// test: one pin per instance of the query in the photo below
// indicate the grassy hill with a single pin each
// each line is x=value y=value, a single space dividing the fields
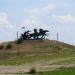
x=37 y=46
x=36 y=51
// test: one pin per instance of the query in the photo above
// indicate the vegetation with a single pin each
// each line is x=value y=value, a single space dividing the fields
x=60 y=71
x=14 y=59
x=40 y=52
x=1 y=47
x=36 y=51
x=9 y=46
x=19 y=41
x=32 y=71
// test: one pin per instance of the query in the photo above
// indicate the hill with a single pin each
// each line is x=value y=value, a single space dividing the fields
x=40 y=53
x=37 y=46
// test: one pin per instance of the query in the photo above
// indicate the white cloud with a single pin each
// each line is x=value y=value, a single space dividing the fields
x=64 y=24
x=45 y=8
x=34 y=19
x=63 y=19
x=50 y=7
x=34 y=22
x=7 y=29
x=32 y=11
x=4 y=21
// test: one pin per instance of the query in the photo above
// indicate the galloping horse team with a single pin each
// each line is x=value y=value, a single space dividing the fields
x=35 y=36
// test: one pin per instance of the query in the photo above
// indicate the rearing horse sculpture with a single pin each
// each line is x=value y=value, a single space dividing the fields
x=35 y=36
x=41 y=33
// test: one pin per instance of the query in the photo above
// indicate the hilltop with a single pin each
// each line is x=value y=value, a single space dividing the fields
x=37 y=46
x=43 y=54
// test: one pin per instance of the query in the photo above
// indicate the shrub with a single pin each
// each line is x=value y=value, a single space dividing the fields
x=1 y=47
x=19 y=41
x=9 y=46
x=32 y=71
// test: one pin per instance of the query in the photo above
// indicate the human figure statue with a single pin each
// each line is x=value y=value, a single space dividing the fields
x=35 y=36
x=35 y=31
x=26 y=35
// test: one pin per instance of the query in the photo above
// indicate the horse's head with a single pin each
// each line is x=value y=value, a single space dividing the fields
x=46 y=30
x=28 y=31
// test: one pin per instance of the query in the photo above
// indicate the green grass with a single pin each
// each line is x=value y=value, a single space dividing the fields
x=22 y=59
x=60 y=71
x=69 y=61
x=9 y=58
x=13 y=59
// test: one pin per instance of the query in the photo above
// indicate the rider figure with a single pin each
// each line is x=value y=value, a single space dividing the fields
x=35 y=31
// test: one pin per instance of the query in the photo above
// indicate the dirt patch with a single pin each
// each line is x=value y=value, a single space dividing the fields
x=40 y=66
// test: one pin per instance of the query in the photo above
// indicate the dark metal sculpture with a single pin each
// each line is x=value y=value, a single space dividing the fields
x=35 y=36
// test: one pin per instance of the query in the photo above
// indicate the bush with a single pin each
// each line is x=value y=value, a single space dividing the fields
x=32 y=71
x=1 y=47
x=19 y=41
x=9 y=46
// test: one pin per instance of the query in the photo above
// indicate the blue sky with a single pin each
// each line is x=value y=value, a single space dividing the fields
x=54 y=15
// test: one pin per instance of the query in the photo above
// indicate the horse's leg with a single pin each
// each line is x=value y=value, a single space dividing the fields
x=37 y=37
x=41 y=37
x=28 y=37
x=34 y=37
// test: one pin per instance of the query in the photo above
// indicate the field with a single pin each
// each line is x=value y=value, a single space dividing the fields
x=43 y=55
x=60 y=71
x=53 y=58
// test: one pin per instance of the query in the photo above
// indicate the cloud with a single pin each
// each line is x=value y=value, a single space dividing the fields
x=42 y=9
x=4 y=21
x=34 y=22
x=38 y=18
x=49 y=7
x=64 y=24
x=63 y=19
x=32 y=11
x=35 y=16
x=7 y=29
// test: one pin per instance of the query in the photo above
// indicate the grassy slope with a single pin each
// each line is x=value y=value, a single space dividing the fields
x=30 y=51
x=23 y=59
x=62 y=71
x=37 y=46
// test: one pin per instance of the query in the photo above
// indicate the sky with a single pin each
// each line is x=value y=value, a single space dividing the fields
x=53 y=15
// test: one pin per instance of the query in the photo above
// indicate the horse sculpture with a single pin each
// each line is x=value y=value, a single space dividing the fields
x=41 y=34
x=35 y=36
